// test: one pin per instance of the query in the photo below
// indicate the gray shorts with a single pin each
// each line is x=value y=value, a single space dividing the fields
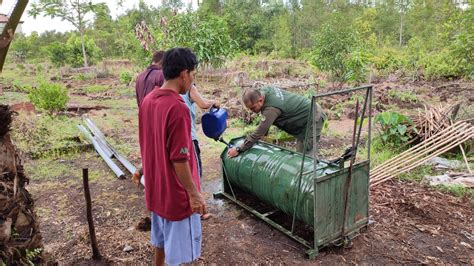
x=181 y=240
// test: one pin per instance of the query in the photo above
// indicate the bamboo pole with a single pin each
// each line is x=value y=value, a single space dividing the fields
x=405 y=159
x=418 y=163
x=420 y=145
x=394 y=167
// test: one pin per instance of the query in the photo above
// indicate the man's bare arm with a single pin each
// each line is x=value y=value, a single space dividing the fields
x=185 y=177
x=199 y=100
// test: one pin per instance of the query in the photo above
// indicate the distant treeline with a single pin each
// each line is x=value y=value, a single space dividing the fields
x=348 y=39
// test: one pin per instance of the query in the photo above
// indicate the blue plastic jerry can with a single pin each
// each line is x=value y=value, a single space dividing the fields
x=214 y=122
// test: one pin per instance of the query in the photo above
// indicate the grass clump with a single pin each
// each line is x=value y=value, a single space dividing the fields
x=457 y=190
x=96 y=89
x=40 y=134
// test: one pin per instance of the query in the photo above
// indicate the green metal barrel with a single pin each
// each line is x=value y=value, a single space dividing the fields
x=271 y=173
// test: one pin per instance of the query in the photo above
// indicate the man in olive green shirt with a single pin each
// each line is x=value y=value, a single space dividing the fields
x=286 y=110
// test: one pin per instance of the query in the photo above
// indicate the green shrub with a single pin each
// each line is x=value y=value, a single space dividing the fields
x=57 y=53
x=125 y=77
x=355 y=64
x=51 y=97
x=393 y=127
x=440 y=64
x=74 y=51
x=388 y=60
x=332 y=49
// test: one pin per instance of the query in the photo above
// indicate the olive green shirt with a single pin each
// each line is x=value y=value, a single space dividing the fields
x=287 y=111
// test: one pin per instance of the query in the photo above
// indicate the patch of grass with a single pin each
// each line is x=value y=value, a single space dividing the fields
x=9 y=97
x=457 y=190
x=379 y=153
x=337 y=110
x=237 y=122
x=46 y=169
x=19 y=86
x=36 y=134
x=126 y=92
x=417 y=174
x=403 y=96
x=96 y=89
x=85 y=76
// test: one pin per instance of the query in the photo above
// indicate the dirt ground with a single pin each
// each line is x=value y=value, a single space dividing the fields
x=411 y=223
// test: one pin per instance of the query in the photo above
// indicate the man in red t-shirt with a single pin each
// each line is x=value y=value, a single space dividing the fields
x=150 y=78
x=172 y=188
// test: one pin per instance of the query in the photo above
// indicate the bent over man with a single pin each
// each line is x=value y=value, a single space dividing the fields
x=287 y=111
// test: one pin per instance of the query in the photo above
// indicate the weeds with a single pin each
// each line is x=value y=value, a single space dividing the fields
x=403 y=96
x=96 y=89
x=34 y=134
x=393 y=127
x=417 y=174
x=125 y=77
x=85 y=76
x=457 y=190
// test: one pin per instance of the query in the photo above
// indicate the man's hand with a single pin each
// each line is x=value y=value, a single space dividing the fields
x=232 y=152
x=216 y=104
x=197 y=203
x=136 y=177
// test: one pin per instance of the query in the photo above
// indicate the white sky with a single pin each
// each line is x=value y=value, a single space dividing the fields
x=41 y=24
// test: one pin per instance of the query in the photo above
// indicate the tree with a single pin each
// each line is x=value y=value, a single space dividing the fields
x=334 y=50
x=74 y=11
x=208 y=37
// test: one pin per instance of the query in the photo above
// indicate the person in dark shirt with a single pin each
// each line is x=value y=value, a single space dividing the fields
x=150 y=78
x=287 y=111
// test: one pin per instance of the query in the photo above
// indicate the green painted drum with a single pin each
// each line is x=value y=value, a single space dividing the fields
x=271 y=173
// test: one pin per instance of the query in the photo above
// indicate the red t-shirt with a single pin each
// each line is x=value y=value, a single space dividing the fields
x=165 y=137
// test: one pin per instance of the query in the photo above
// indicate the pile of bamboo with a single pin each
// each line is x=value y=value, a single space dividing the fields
x=430 y=121
x=435 y=145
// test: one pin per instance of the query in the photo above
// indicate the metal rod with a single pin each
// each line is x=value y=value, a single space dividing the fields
x=364 y=108
x=300 y=176
x=99 y=137
x=369 y=141
x=95 y=250
x=224 y=176
x=108 y=148
x=349 y=176
x=324 y=94
x=117 y=171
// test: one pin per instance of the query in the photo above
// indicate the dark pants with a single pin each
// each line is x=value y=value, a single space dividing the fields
x=309 y=147
x=197 y=153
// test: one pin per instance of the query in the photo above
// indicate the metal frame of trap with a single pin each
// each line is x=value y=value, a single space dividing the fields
x=359 y=172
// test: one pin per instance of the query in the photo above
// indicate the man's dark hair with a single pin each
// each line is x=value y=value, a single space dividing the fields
x=177 y=60
x=158 y=57
x=251 y=95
